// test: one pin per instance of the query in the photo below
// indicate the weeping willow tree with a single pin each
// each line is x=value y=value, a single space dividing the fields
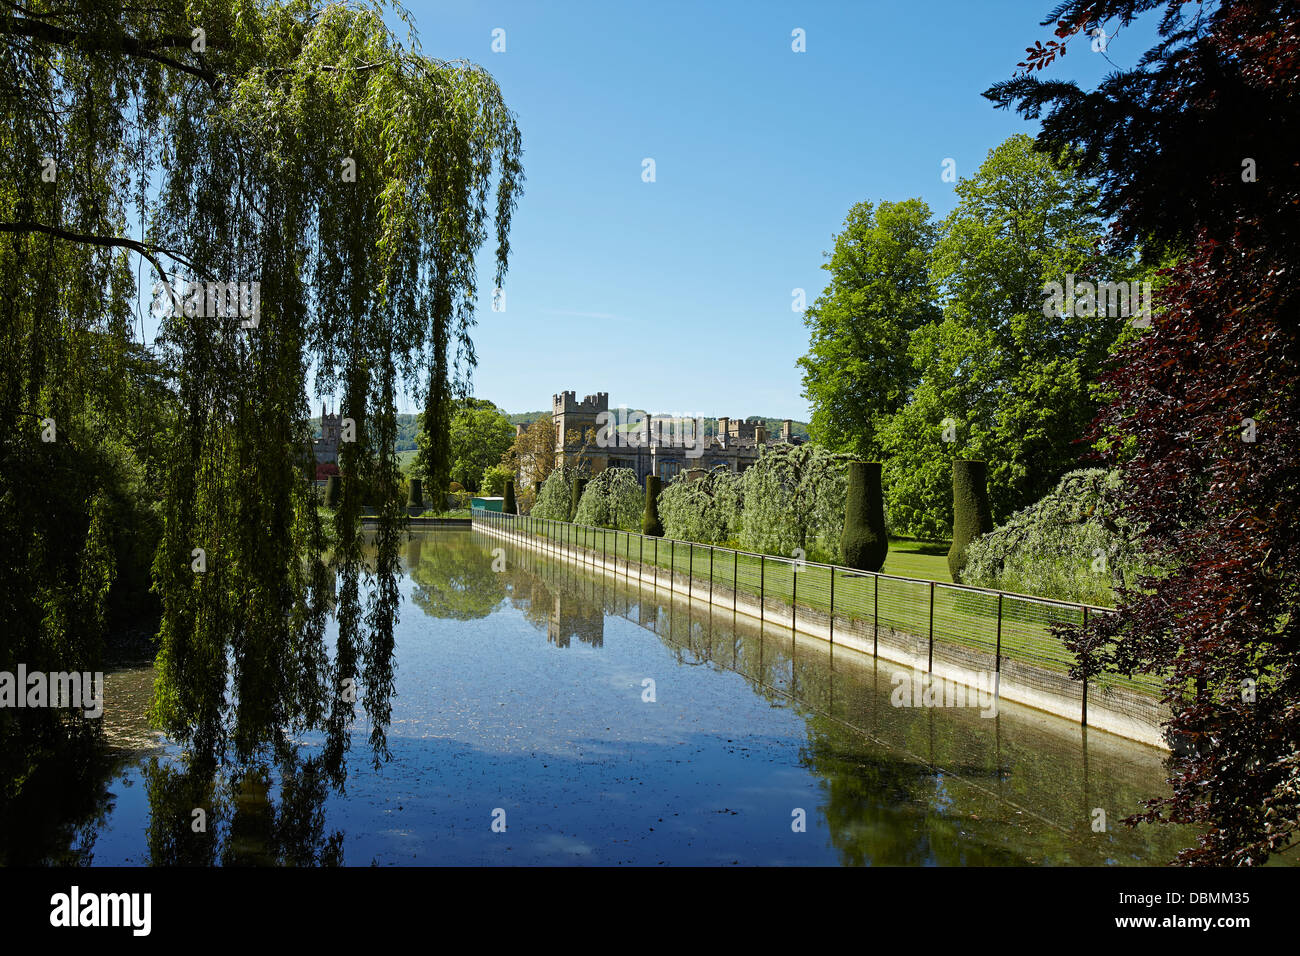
x=794 y=499
x=316 y=192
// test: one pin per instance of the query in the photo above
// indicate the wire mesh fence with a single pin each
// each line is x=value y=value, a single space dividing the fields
x=928 y=621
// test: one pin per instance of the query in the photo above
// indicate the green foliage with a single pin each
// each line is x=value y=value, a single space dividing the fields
x=972 y=516
x=705 y=508
x=612 y=499
x=494 y=480
x=480 y=434
x=966 y=365
x=510 y=506
x=650 y=523
x=858 y=370
x=554 y=499
x=414 y=494
x=864 y=543
x=333 y=491
x=794 y=499
x=576 y=487
x=351 y=177
x=1071 y=545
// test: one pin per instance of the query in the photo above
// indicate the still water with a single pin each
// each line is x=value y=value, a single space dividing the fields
x=603 y=722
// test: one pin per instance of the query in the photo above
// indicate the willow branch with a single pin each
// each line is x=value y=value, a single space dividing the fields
x=121 y=242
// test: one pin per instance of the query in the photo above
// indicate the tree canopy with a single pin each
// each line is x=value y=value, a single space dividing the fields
x=326 y=187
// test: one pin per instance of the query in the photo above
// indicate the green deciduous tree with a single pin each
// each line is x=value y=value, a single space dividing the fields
x=999 y=379
x=480 y=435
x=857 y=369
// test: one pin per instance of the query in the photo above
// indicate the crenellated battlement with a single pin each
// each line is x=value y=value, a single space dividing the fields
x=567 y=403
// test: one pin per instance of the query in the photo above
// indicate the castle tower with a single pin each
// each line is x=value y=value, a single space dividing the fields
x=573 y=416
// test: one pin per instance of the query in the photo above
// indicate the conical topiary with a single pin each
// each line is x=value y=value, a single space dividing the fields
x=864 y=543
x=508 y=506
x=971 y=514
x=575 y=495
x=415 y=496
x=650 y=523
x=333 y=491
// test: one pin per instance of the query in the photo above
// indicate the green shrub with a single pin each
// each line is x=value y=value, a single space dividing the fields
x=864 y=543
x=1071 y=545
x=650 y=523
x=508 y=506
x=970 y=510
x=705 y=509
x=576 y=488
x=555 y=496
x=794 y=498
x=415 y=494
x=612 y=499
x=333 y=491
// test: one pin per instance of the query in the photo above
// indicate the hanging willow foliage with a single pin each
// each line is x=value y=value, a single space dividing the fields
x=306 y=150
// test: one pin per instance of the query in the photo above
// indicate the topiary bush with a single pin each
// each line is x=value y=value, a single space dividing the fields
x=612 y=499
x=508 y=506
x=333 y=491
x=650 y=523
x=415 y=495
x=706 y=509
x=864 y=543
x=576 y=488
x=971 y=515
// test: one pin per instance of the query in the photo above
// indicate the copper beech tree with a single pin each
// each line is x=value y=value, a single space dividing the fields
x=1197 y=152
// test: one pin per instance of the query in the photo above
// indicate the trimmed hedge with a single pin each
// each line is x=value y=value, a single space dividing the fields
x=864 y=543
x=508 y=506
x=650 y=523
x=333 y=491
x=971 y=514
x=575 y=495
x=415 y=494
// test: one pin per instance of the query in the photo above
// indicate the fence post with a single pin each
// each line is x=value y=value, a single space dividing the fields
x=832 y=604
x=1085 y=674
x=690 y=570
x=672 y=563
x=762 y=594
x=735 y=562
x=710 y=581
x=930 y=666
x=794 y=597
x=656 y=562
x=997 y=659
x=875 y=615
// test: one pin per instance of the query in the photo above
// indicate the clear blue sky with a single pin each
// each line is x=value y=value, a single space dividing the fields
x=676 y=295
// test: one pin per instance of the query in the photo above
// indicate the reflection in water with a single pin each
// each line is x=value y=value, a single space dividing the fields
x=908 y=786
x=499 y=705
x=201 y=817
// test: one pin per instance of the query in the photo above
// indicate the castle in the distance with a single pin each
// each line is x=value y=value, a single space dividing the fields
x=326 y=448
x=736 y=445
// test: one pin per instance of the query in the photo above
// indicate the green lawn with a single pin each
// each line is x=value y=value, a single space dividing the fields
x=918 y=559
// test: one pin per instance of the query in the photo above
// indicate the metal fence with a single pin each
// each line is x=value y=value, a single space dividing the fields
x=970 y=627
